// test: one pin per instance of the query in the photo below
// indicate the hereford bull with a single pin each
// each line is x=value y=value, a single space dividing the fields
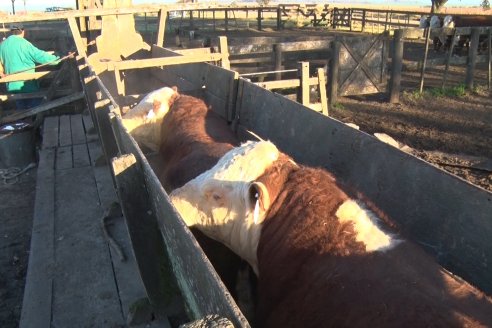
x=144 y=120
x=192 y=139
x=322 y=258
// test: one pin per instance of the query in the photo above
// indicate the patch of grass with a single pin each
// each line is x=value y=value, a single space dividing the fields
x=413 y=95
x=338 y=106
x=457 y=91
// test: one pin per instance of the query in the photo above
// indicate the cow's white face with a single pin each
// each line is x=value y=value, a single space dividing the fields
x=225 y=203
x=144 y=120
x=154 y=104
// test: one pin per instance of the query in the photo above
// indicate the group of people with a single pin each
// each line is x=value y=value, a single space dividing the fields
x=19 y=55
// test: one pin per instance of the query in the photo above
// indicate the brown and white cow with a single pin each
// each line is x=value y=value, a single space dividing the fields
x=192 y=139
x=323 y=259
x=144 y=120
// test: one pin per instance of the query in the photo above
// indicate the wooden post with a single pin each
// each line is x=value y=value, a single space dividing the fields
x=277 y=60
x=120 y=83
x=472 y=57
x=161 y=28
x=422 y=71
x=489 y=58
x=322 y=91
x=303 y=91
x=79 y=43
x=224 y=51
x=334 y=71
x=259 y=19
x=363 y=20
x=385 y=55
x=192 y=23
x=279 y=18
x=448 y=60
x=396 y=66
x=226 y=20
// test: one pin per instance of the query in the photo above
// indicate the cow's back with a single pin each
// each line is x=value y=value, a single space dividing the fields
x=313 y=273
x=193 y=139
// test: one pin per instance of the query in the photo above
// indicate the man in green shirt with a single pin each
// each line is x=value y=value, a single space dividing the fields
x=17 y=54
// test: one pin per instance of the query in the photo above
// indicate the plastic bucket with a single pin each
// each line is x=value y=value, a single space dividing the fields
x=16 y=145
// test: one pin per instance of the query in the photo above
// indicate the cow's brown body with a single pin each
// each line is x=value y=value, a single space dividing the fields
x=193 y=139
x=313 y=273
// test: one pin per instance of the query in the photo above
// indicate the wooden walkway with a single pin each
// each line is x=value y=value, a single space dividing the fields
x=74 y=278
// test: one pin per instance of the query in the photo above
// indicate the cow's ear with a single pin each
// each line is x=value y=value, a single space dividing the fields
x=156 y=106
x=259 y=197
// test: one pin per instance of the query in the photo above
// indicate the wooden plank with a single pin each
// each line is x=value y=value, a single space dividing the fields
x=42 y=108
x=453 y=225
x=155 y=62
x=161 y=27
x=80 y=155
x=218 y=82
x=224 y=51
x=79 y=43
x=199 y=284
x=50 y=132
x=144 y=233
x=90 y=130
x=303 y=90
x=38 y=291
x=282 y=84
x=39 y=94
x=128 y=280
x=120 y=83
x=65 y=131
x=64 y=158
x=322 y=91
x=80 y=299
x=27 y=76
x=78 y=133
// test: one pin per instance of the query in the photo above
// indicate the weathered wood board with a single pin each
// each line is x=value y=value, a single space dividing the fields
x=446 y=215
x=363 y=63
x=217 y=84
x=200 y=286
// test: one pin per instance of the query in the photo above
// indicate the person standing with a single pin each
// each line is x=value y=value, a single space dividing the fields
x=18 y=54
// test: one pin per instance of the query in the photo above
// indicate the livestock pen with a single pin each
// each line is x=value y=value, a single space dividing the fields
x=446 y=215
x=429 y=204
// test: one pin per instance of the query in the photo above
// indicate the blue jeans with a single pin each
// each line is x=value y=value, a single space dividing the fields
x=27 y=103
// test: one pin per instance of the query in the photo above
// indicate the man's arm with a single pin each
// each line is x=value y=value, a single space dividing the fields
x=40 y=56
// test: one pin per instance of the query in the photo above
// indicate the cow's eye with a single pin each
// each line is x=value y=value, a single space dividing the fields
x=253 y=195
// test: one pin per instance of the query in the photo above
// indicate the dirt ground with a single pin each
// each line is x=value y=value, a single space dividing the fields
x=16 y=212
x=451 y=131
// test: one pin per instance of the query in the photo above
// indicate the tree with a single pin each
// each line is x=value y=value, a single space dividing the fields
x=437 y=5
x=485 y=5
x=13 y=7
